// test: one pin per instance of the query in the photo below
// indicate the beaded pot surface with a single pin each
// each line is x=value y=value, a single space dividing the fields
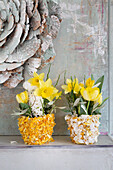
x=83 y=129
x=38 y=130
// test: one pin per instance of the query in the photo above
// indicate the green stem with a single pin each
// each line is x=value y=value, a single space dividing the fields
x=88 y=106
x=42 y=106
x=79 y=110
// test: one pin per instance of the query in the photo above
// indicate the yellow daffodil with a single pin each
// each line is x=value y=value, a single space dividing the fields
x=22 y=97
x=89 y=93
x=81 y=84
x=89 y=82
x=56 y=95
x=75 y=81
x=76 y=89
x=67 y=87
x=35 y=80
x=71 y=86
x=46 y=90
x=99 y=99
x=76 y=86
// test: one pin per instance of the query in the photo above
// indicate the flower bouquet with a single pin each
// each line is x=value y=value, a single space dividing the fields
x=36 y=108
x=84 y=101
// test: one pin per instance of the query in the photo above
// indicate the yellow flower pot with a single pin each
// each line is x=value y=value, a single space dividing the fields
x=38 y=130
x=83 y=129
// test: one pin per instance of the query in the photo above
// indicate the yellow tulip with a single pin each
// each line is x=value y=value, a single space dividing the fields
x=89 y=93
x=22 y=97
x=46 y=90
x=99 y=99
x=35 y=80
x=89 y=82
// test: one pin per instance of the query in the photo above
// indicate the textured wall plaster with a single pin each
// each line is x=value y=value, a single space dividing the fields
x=81 y=48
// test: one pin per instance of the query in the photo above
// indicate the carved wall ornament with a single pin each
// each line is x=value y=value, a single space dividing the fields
x=27 y=28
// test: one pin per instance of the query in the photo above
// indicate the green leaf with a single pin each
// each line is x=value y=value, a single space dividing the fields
x=92 y=78
x=95 y=105
x=100 y=80
x=17 y=113
x=72 y=95
x=23 y=106
x=84 y=108
x=96 y=113
x=98 y=108
x=104 y=101
x=76 y=102
x=71 y=78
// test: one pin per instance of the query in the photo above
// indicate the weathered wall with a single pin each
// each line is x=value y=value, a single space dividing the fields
x=81 y=48
x=111 y=67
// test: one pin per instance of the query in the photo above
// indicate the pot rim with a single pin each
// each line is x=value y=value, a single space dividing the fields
x=81 y=116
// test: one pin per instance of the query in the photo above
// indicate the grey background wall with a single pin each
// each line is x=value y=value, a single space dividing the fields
x=81 y=48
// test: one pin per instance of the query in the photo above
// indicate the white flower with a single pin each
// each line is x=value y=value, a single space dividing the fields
x=36 y=104
x=27 y=86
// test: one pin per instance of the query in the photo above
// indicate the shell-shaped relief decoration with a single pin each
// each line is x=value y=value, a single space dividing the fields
x=27 y=28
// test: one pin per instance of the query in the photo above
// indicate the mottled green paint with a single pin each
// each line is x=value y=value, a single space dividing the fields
x=81 y=48
x=110 y=68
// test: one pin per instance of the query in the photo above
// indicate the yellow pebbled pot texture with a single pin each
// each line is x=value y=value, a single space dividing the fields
x=38 y=130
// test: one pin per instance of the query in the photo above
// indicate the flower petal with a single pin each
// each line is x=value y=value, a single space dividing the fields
x=48 y=82
x=35 y=74
x=41 y=76
x=22 y=97
x=65 y=87
x=37 y=92
x=68 y=81
x=90 y=94
x=89 y=82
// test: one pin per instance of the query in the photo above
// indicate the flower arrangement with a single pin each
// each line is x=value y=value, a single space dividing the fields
x=84 y=102
x=36 y=108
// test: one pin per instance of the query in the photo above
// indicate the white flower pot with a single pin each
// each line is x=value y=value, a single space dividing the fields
x=83 y=129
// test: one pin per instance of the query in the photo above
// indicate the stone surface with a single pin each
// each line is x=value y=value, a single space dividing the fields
x=61 y=154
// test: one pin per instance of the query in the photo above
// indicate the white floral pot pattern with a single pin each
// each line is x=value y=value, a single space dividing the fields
x=83 y=129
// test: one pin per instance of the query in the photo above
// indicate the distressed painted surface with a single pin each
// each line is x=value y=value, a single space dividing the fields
x=111 y=69
x=81 y=48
